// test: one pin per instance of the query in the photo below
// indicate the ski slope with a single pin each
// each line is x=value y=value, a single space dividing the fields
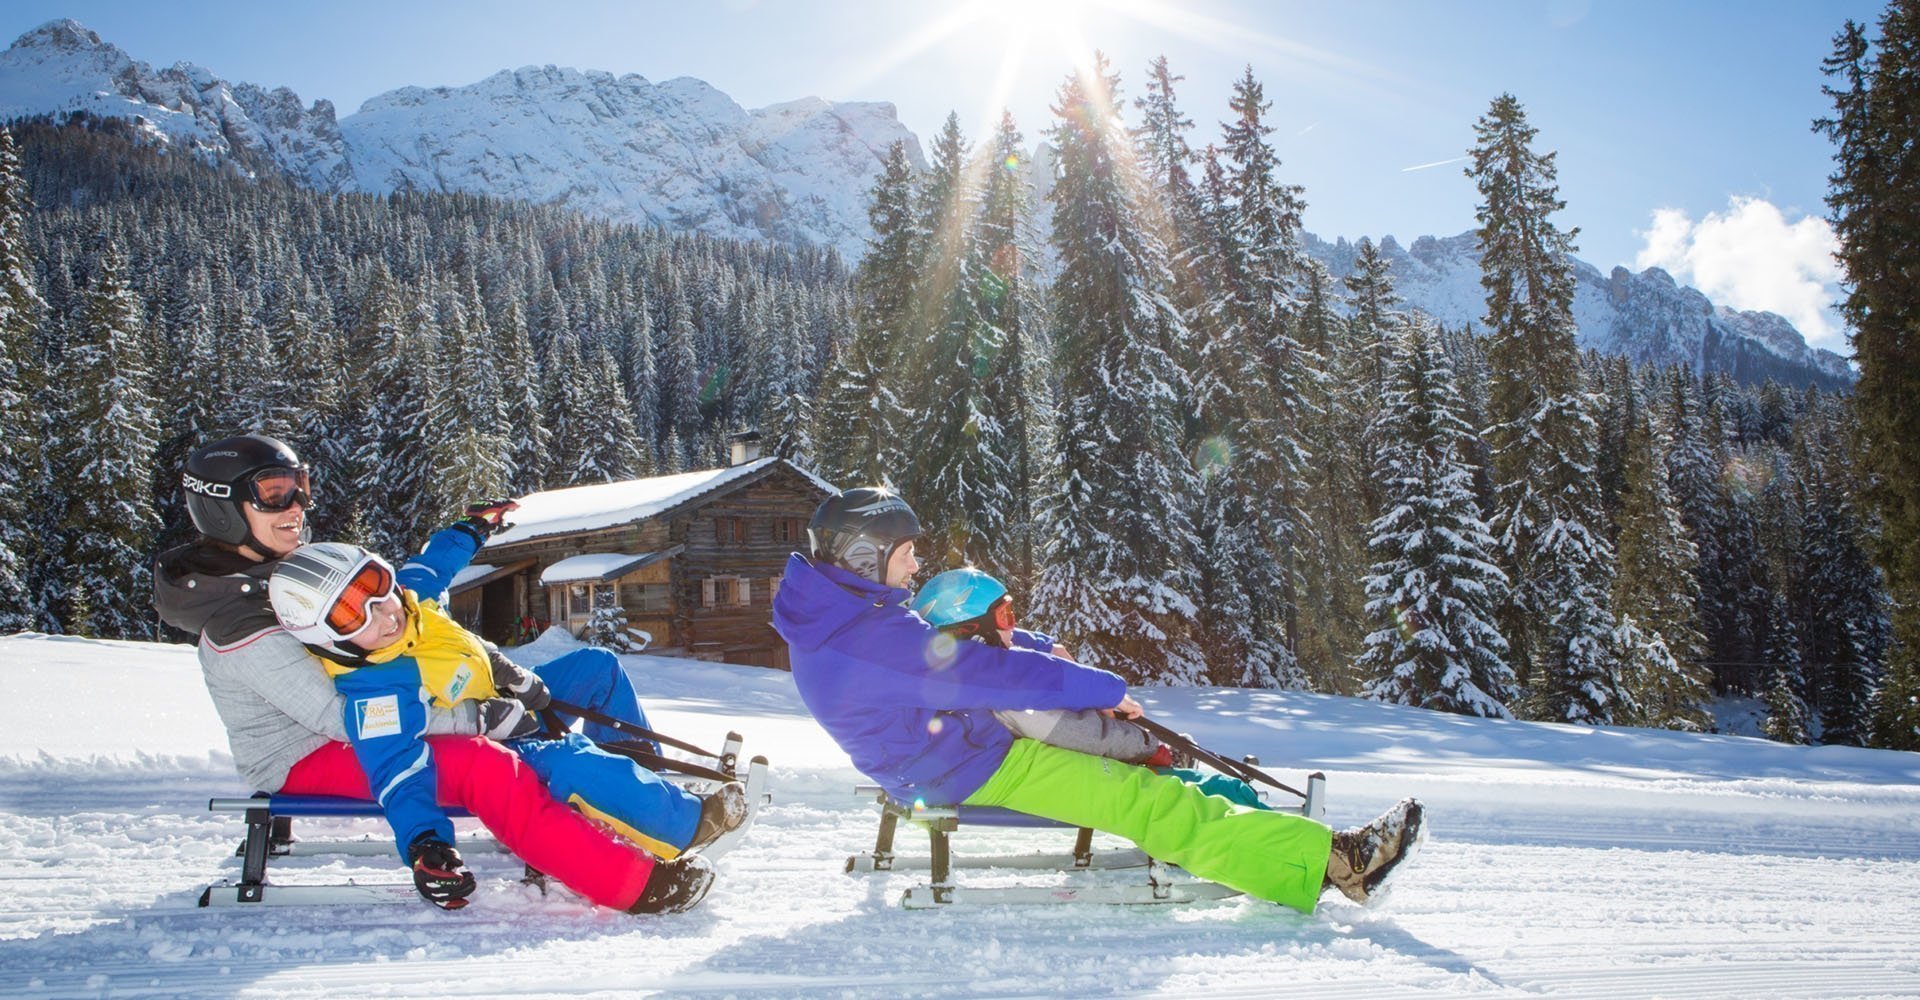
x=1565 y=862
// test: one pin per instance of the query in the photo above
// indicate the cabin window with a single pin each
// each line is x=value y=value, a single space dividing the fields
x=645 y=597
x=730 y=530
x=789 y=529
x=726 y=591
x=579 y=600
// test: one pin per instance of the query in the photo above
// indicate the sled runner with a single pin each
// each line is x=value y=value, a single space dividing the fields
x=942 y=822
x=269 y=820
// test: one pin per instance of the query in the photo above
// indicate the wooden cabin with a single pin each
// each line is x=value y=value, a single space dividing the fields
x=693 y=559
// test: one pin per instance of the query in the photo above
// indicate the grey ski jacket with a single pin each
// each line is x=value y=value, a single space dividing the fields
x=276 y=701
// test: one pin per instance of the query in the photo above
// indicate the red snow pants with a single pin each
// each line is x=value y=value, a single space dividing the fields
x=490 y=782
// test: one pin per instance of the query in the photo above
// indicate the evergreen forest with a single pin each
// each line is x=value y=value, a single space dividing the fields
x=1192 y=453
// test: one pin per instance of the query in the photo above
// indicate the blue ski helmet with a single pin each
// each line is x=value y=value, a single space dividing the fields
x=964 y=602
x=858 y=530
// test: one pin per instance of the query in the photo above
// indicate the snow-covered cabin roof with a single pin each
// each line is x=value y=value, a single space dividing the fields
x=465 y=577
x=607 y=505
x=599 y=567
x=481 y=574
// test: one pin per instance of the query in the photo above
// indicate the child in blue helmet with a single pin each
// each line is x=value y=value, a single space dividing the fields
x=969 y=604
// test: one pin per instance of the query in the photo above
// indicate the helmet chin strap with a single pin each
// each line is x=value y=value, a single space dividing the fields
x=265 y=551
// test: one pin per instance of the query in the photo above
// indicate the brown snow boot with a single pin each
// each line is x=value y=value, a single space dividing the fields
x=723 y=810
x=1364 y=858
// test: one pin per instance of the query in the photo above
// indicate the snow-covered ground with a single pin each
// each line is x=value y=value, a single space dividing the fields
x=1565 y=862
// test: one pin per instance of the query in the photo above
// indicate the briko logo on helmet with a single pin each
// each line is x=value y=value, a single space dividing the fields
x=204 y=488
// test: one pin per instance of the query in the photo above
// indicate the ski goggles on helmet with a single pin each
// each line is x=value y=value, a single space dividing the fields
x=989 y=626
x=371 y=583
x=276 y=489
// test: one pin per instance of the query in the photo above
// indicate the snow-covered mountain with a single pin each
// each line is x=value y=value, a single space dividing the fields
x=61 y=68
x=678 y=154
x=1648 y=317
x=684 y=156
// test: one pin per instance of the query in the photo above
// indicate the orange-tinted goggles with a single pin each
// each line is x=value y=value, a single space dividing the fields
x=271 y=491
x=371 y=583
x=1002 y=612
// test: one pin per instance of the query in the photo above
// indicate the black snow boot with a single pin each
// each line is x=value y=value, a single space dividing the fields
x=721 y=811
x=675 y=886
x=1364 y=858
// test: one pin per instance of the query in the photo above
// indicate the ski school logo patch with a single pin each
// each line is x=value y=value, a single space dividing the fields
x=377 y=717
x=462 y=676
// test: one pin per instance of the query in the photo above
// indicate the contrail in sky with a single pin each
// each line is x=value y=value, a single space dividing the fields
x=1436 y=163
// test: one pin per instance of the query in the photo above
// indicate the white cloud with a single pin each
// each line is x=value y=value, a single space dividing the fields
x=1751 y=257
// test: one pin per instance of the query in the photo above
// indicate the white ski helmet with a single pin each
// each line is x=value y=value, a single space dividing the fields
x=321 y=592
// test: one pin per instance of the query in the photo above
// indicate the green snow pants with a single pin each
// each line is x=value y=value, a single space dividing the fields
x=1276 y=856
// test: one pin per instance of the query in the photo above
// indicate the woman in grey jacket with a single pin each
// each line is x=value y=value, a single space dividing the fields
x=248 y=497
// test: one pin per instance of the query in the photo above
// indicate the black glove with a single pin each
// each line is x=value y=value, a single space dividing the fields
x=506 y=719
x=438 y=872
x=523 y=684
x=483 y=518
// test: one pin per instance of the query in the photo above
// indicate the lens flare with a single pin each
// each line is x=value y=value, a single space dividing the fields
x=1213 y=456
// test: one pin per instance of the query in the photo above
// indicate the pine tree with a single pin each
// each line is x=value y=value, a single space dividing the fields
x=1786 y=705
x=1546 y=514
x=1875 y=197
x=22 y=422
x=105 y=452
x=863 y=426
x=787 y=413
x=1656 y=599
x=527 y=436
x=398 y=460
x=1845 y=634
x=564 y=398
x=607 y=624
x=1263 y=278
x=680 y=381
x=958 y=472
x=1015 y=380
x=609 y=451
x=1433 y=585
x=1119 y=575
x=469 y=443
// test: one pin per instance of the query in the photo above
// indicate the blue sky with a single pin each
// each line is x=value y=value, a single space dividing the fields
x=1682 y=127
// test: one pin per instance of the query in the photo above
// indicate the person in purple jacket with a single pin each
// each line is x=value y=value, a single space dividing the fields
x=914 y=710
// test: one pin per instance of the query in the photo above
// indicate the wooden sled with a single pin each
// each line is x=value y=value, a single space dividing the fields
x=942 y=822
x=269 y=820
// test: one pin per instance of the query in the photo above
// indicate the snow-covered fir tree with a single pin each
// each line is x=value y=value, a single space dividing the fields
x=958 y=474
x=22 y=422
x=1119 y=575
x=527 y=436
x=1786 y=703
x=1249 y=405
x=1016 y=380
x=1547 y=512
x=1656 y=598
x=610 y=449
x=1846 y=631
x=397 y=459
x=469 y=441
x=102 y=457
x=1875 y=198
x=863 y=427
x=1433 y=585
x=680 y=379
x=607 y=624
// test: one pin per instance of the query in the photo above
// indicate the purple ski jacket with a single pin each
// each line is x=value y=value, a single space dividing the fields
x=912 y=707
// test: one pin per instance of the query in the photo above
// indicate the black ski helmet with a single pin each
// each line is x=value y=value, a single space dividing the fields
x=218 y=480
x=858 y=530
